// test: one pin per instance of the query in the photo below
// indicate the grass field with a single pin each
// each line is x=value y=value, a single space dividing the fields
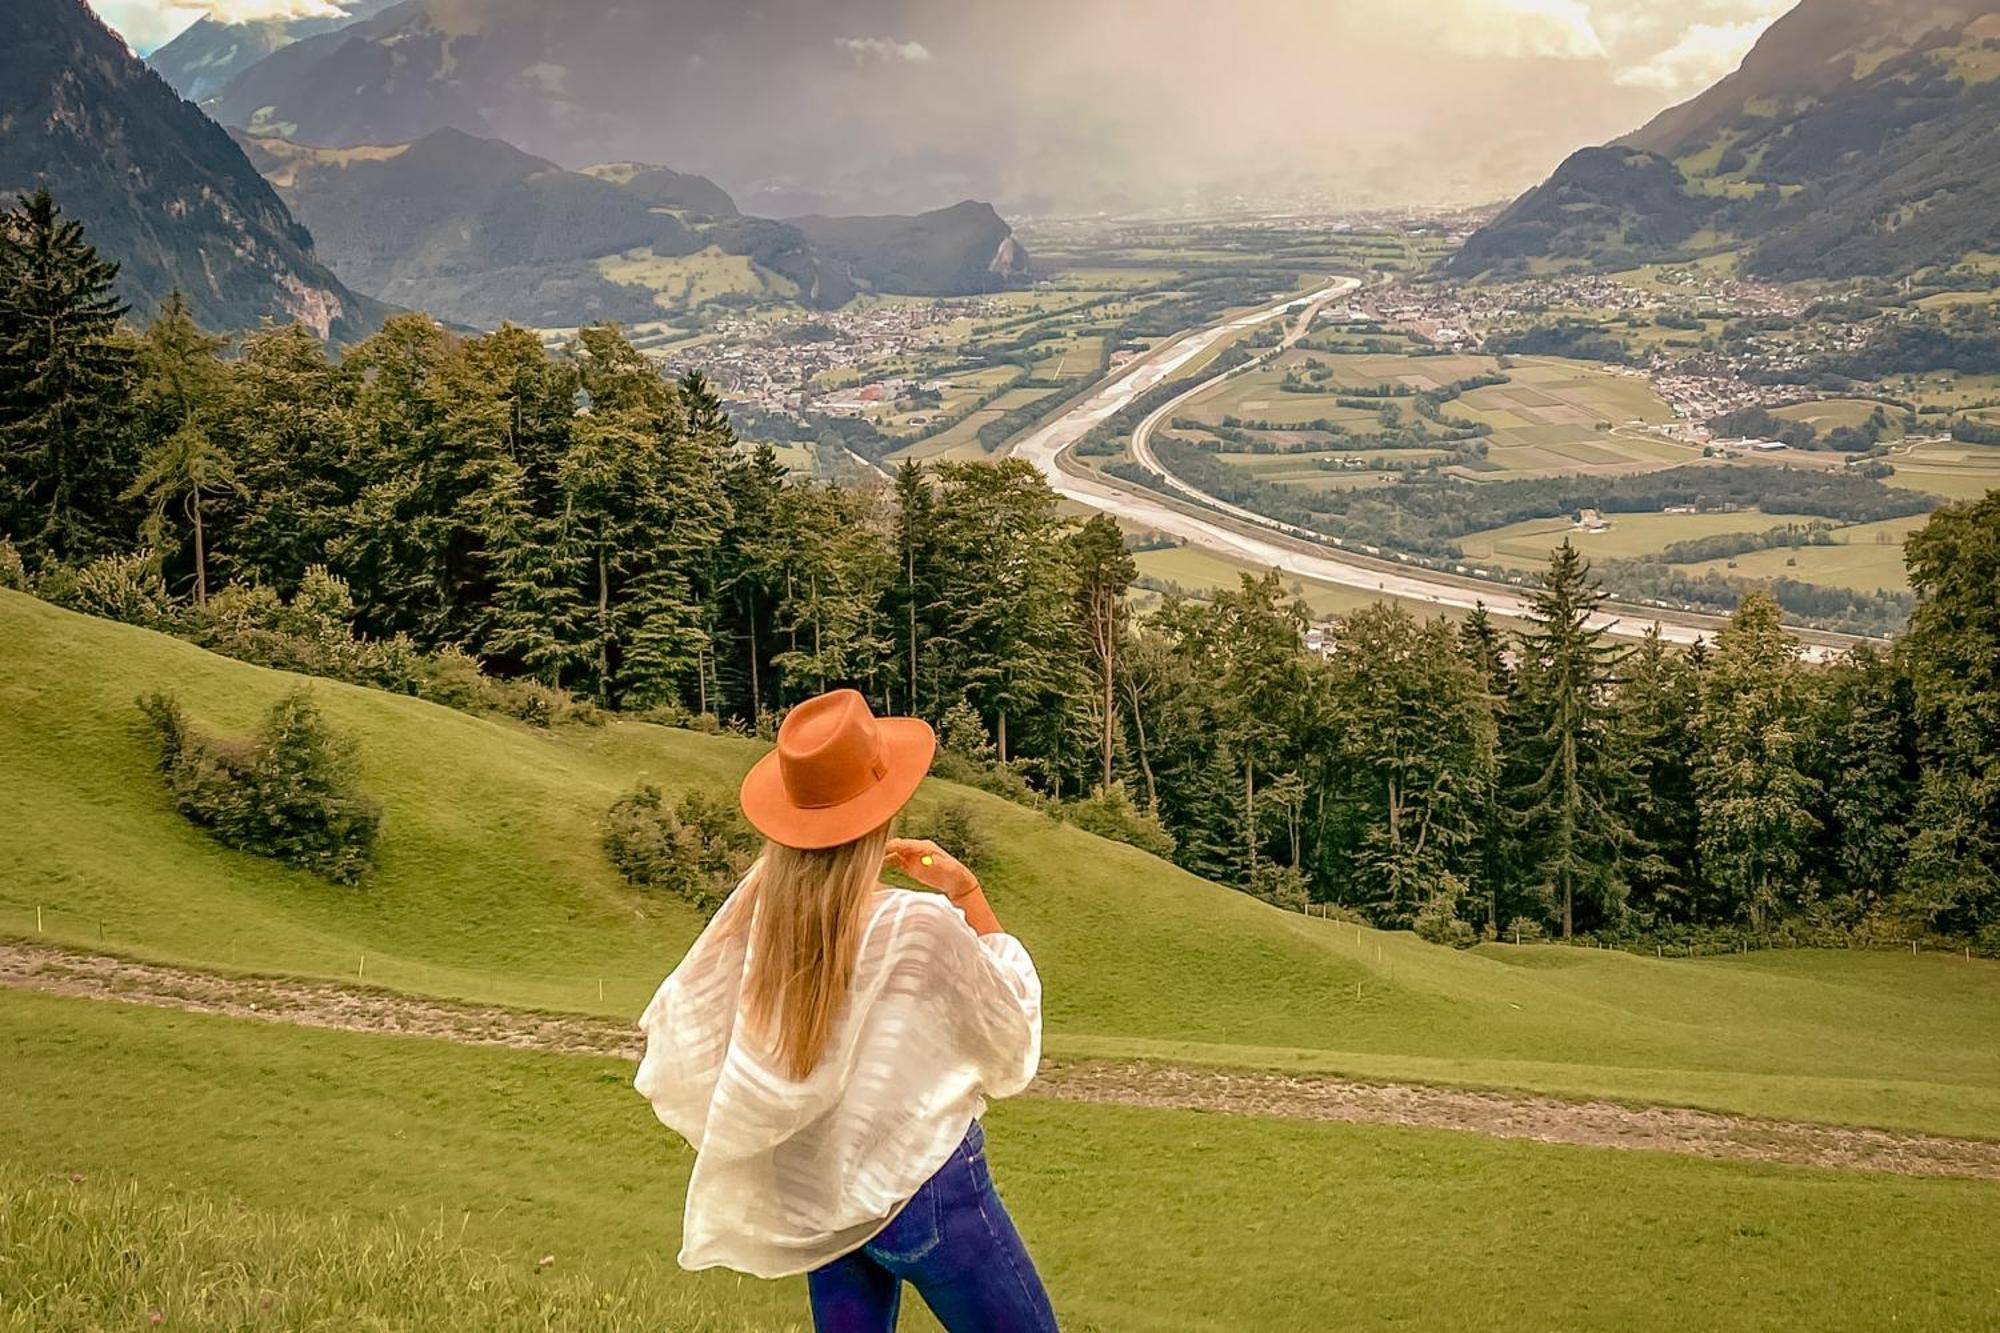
x=1527 y=545
x=1953 y=470
x=685 y=281
x=491 y=885
x=278 y=1173
x=1825 y=414
x=1546 y=421
x=1866 y=557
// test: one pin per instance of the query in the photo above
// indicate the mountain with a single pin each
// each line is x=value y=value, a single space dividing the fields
x=158 y=186
x=473 y=230
x=1858 y=137
x=201 y=61
x=952 y=251
x=478 y=232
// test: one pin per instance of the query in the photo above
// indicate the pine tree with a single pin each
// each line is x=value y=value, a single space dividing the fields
x=916 y=578
x=747 y=579
x=1006 y=623
x=1864 y=756
x=1104 y=571
x=1415 y=737
x=1484 y=648
x=1573 y=837
x=291 y=422
x=1755 y=796
x=1654 y=721
x=1952 y=658
x=539 y=618
x=180 y=399
x=64 y=376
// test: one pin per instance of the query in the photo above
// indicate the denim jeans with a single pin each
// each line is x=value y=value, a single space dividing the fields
x=955 y=1244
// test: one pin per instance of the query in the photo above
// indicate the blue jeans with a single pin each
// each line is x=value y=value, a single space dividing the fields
x=954 y=1242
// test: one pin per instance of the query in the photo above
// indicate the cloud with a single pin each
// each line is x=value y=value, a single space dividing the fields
x=884 y=49
x=1521 y=29
x=1704 y=53
x=146 y=24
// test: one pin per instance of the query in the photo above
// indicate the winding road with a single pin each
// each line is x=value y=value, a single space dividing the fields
x=1203 y=521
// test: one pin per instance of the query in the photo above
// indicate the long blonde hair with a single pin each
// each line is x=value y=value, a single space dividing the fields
x=810 y=909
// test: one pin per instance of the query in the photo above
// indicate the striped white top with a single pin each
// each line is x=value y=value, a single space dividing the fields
x=790 y=1174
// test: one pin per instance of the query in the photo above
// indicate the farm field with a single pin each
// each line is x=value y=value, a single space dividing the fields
x=1527 y=545
x=1866 y=557
x=961 y=440
x=1825 y=414
x=1198 y=571
x=1544 y=422
x=683 y=282
x=1950 y=469
x=422 y=1160
x=491 y=886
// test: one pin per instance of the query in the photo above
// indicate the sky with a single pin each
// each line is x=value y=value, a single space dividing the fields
x=1677 y=46
x=1147 y=101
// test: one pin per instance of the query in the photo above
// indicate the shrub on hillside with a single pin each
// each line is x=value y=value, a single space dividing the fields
x=698 y=848
x=13 y=570
x=289 y=793
x=957 y=828
x=1438 y=920
x=1523 y=930
x=1280 y=886
x=1110 y=812
x=126 y=588
x=314 y=634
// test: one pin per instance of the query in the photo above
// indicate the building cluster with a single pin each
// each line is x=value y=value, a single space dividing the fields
x=781 y=366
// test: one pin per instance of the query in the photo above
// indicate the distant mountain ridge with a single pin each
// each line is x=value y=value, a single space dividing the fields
x=1858 y=137
x=479 y=232
x=203 y=60
x=159 y=187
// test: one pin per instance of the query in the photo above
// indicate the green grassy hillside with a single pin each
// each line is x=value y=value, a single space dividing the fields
x=491 y=885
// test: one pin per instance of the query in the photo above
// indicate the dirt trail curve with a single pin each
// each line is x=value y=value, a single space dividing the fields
x=1235 y=1092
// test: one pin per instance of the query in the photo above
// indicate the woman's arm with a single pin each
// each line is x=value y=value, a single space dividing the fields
x=933 y=867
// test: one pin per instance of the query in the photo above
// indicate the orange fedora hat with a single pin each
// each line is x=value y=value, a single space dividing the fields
x=838 y=772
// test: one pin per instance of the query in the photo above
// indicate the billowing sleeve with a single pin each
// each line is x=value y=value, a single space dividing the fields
x=998 y=1003
x=688 y=1026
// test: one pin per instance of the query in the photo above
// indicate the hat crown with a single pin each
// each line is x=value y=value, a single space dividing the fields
x=830 y=751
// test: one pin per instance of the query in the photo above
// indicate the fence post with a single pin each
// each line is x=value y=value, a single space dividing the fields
x=361 y=970
x=38 y=918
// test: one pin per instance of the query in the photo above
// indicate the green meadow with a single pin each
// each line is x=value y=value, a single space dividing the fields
x=491 y=885
x=224 y=1174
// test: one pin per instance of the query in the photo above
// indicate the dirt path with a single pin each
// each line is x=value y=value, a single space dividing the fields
x=1234 y=1092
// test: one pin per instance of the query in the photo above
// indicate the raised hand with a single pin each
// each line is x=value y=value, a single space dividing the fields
x=931 y=866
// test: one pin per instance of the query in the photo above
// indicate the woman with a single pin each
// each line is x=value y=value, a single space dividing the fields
x=828 y=1046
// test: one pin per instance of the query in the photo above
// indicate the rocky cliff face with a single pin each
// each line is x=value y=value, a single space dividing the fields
x=159 y=187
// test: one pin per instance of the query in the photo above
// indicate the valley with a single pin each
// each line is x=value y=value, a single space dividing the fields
x=1459 y=637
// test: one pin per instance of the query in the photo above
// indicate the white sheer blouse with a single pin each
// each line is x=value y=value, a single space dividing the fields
x=790 y=1174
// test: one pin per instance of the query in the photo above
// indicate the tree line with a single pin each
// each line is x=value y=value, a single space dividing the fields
x=567 y=518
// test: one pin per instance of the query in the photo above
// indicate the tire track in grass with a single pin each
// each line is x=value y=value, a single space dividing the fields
x=1590 y=1124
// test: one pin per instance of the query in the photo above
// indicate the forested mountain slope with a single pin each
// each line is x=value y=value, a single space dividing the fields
x=160 y=187
x=1858 y=137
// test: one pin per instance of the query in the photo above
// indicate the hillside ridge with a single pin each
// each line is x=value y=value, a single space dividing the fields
x=1855 y=139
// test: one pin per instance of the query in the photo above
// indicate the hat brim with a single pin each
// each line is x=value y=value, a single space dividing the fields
x=908 y=746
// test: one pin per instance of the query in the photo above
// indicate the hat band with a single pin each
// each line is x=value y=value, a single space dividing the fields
x=878 y=769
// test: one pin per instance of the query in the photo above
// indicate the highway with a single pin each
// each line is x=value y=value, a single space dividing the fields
x=1238 y=533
